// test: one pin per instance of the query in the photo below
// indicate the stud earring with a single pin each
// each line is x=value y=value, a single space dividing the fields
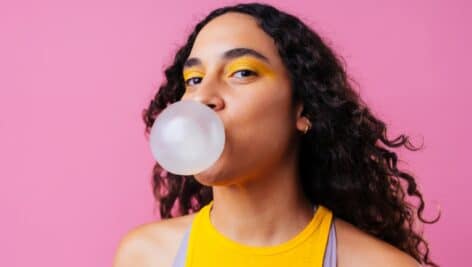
x=307 y=127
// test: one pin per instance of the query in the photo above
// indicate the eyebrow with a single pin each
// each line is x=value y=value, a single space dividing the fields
x=230 y=54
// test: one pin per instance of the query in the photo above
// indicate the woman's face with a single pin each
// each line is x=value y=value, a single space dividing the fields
x=234 y=68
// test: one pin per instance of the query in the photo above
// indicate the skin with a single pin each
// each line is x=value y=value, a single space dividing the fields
x=259 y=161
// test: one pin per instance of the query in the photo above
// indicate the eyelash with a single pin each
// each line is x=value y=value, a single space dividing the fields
x=246 y=70
x=187 y=81
x=242 y=70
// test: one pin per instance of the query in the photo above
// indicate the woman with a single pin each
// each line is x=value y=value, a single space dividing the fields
x=306 y=177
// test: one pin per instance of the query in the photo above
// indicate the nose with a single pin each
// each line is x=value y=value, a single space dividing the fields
x=208 y=93
x=214 y=102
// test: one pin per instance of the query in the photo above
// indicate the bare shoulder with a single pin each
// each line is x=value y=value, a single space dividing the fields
x=357 y=248
x=152 y=244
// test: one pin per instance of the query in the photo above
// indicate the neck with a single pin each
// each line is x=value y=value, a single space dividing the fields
x=262 y=211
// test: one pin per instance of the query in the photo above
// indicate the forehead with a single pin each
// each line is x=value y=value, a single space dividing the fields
x=232 y=30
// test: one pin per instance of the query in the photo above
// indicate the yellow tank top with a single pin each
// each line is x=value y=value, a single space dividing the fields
x=207 y=247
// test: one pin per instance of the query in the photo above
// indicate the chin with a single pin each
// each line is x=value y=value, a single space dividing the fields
x=213 y=174
x=209 y=177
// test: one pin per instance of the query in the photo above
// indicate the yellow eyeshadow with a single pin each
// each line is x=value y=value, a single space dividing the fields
x=192 y=73
x=250 y=64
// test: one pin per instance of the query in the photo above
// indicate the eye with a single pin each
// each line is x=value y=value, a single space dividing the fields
x=244 y=73
x=194 y=79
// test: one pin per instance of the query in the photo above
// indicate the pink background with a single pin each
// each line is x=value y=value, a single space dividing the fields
x=74 y=76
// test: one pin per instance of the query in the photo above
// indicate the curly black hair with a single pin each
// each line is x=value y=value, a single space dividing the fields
x=346 y=162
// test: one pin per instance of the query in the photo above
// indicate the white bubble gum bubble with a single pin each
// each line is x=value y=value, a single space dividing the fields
x=187 y=137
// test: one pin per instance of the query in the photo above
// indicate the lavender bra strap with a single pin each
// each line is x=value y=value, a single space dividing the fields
x=330 y=252
x=329 y=259
x=179 y=260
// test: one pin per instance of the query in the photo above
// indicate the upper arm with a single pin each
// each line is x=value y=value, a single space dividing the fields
x=150 y=244
x=393 y=257
x=131 y=251
x=390 y=256
x=357 y=248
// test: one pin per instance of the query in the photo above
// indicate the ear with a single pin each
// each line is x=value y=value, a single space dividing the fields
x=301 y=121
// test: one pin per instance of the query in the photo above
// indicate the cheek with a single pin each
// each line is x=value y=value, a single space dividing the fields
x=263 y=114
x=258 y=135
x=259 y=128
x=267 y=102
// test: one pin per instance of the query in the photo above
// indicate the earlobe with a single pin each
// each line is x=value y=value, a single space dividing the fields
x=303 y=123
